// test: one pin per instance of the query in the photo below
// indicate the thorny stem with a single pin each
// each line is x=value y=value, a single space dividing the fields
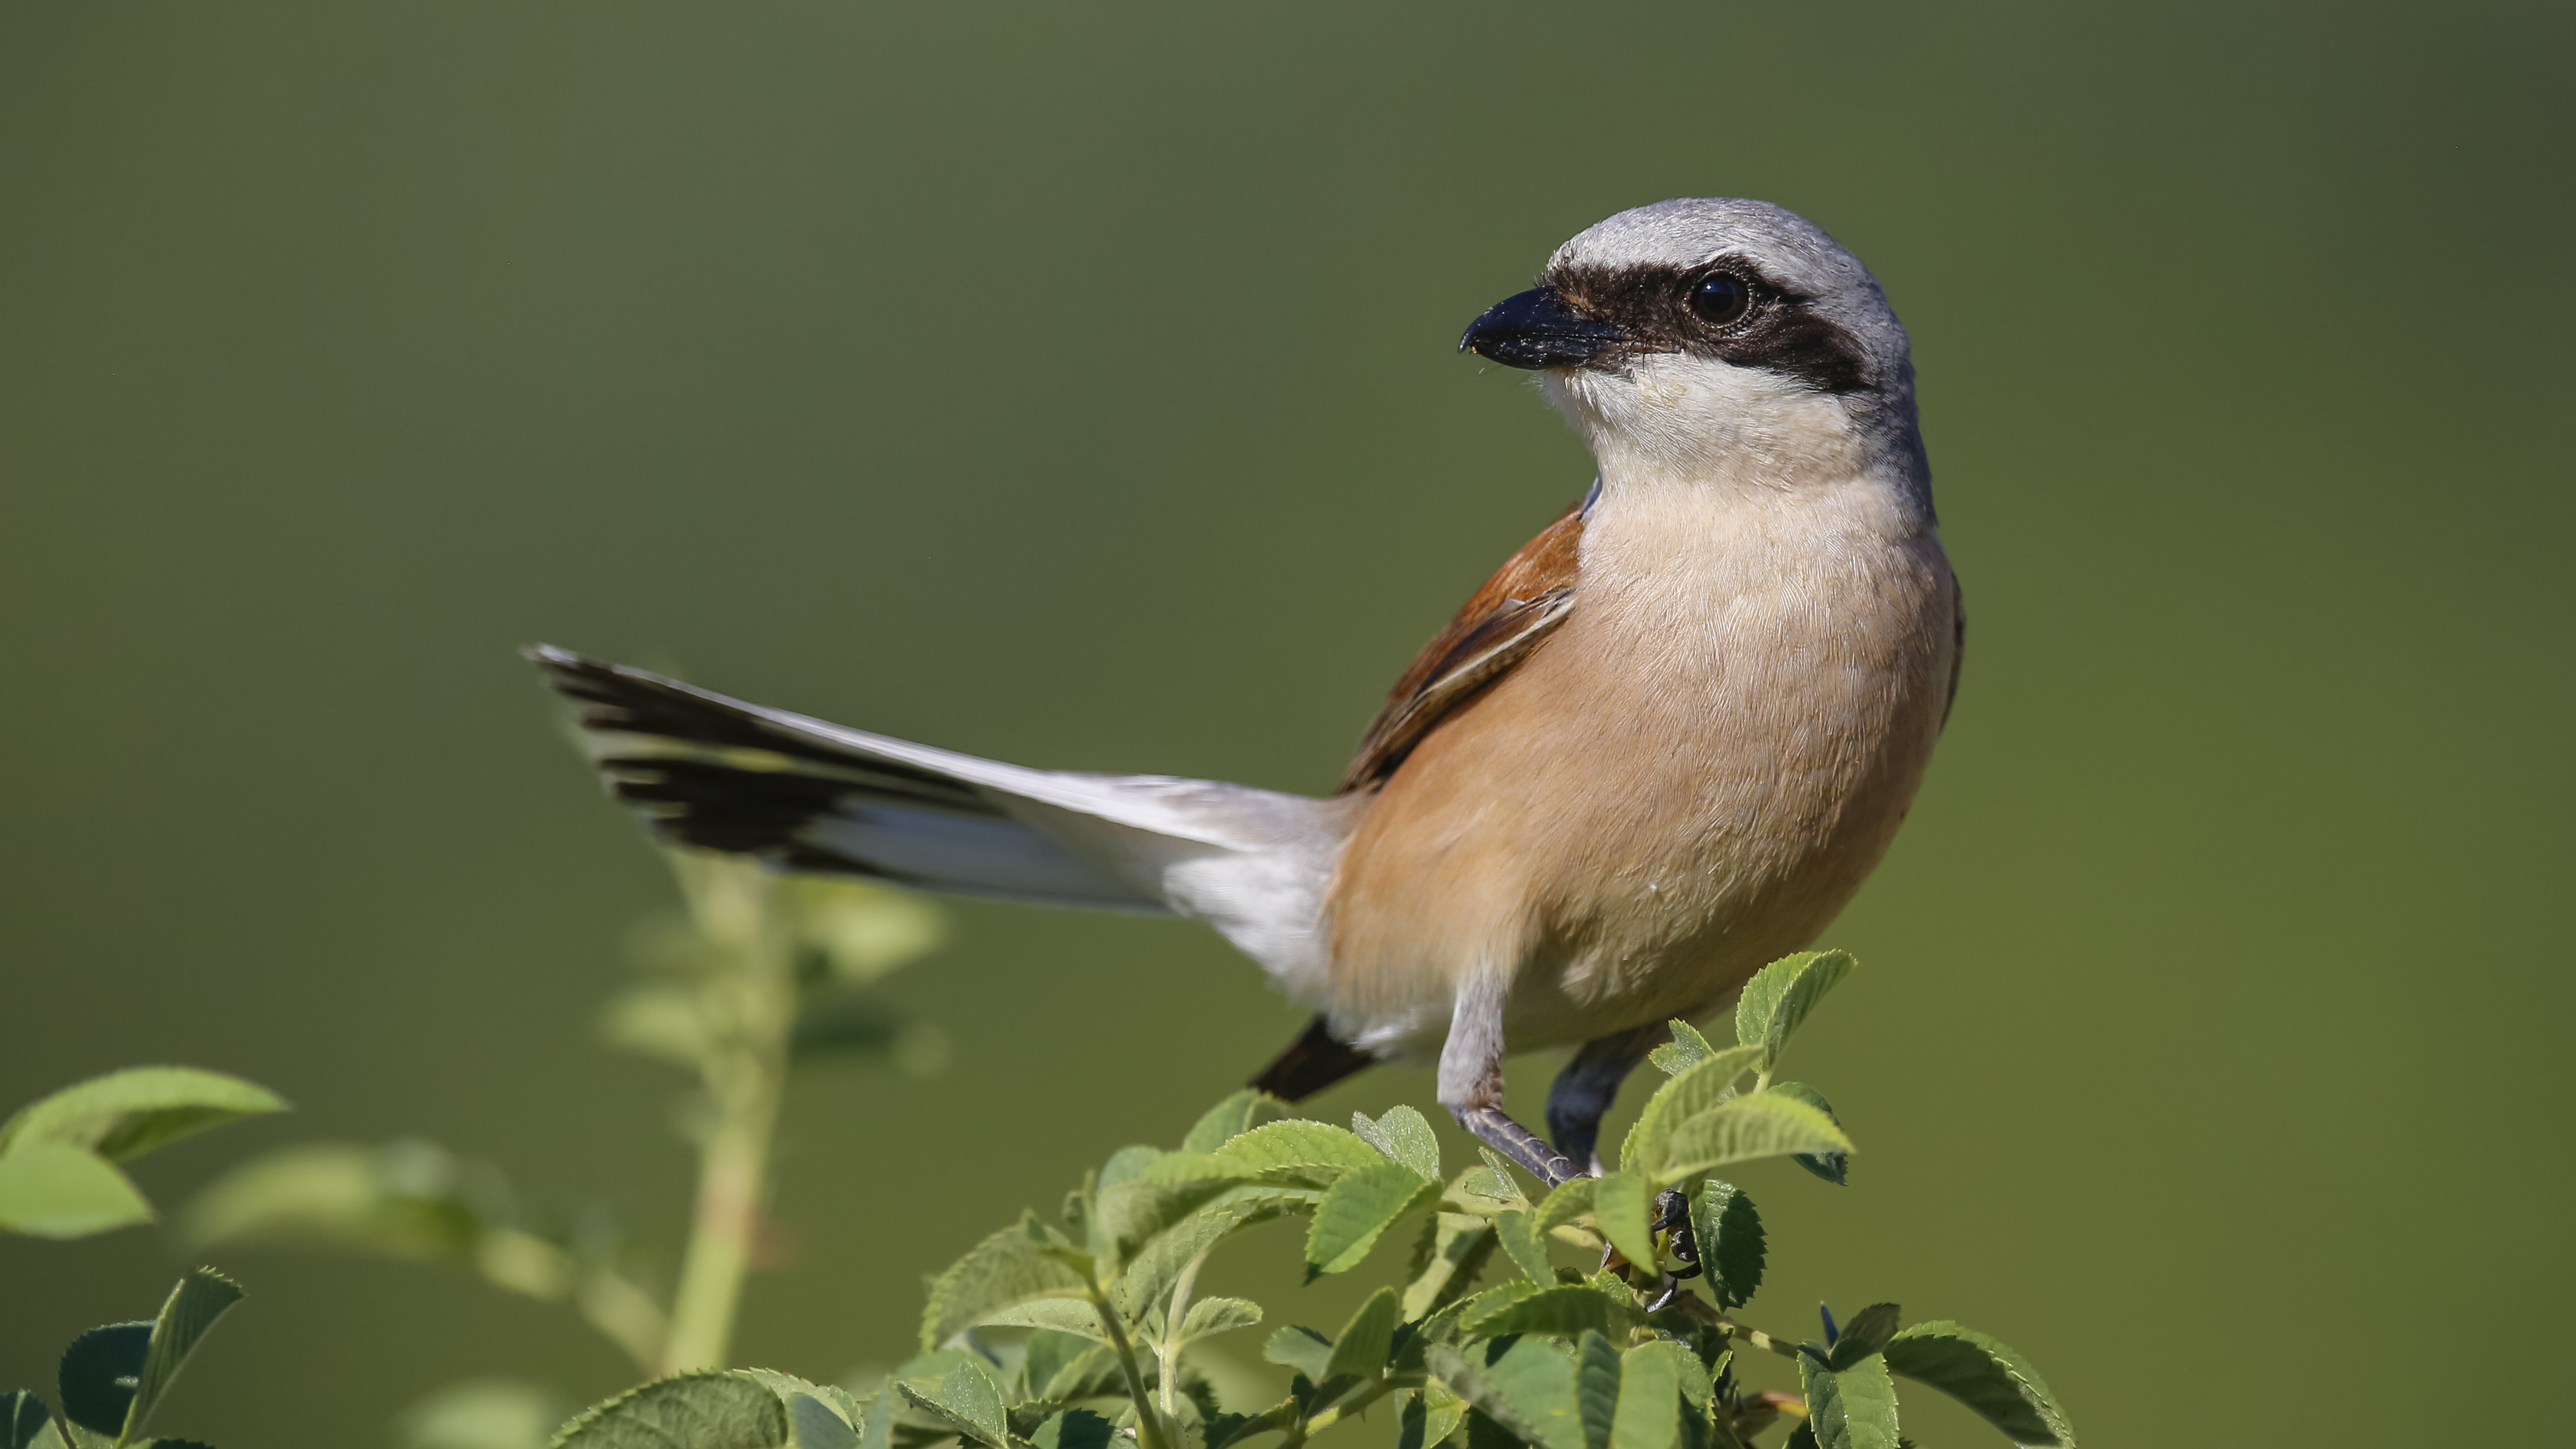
x=753 y=1007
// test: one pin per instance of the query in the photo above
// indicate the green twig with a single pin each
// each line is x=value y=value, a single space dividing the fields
x=1149 y=1423
x=751 y=1009
x=1169 y=1350
x=1355 y=1403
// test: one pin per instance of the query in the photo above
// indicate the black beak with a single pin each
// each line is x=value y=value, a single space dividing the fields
x=1536 y=329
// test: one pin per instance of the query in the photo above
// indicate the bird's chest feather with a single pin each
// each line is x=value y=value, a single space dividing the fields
x=1698 y=770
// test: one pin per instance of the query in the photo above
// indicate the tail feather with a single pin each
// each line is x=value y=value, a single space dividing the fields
x=1314 y=1061
x=807 y=795
x=719 y=774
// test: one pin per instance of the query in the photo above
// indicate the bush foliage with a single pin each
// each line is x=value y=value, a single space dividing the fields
x=1073 y=1333
x=1600 y=1315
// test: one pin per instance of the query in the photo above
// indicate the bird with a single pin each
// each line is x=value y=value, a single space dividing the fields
x=1661 y=747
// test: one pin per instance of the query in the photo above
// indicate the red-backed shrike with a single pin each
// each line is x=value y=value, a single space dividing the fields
x=1662 y=746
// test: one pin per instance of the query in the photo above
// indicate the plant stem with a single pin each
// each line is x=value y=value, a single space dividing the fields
x=1149 y=1424
x=1758 y=1338
x=752 y=1008
x=626 y=1314
x=731 y=1181
x=1354 y=1404
x=1169 y=1351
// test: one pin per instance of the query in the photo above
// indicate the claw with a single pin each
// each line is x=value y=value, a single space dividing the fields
x=1671 y=1289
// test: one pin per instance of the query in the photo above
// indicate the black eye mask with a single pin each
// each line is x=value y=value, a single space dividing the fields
x=1728 y=311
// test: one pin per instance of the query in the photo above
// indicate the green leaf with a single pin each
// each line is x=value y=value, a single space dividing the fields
x=1686 y=1048
x=876 y=1431
x=861 y=930
x=1431 y=1415
x=1404 y=1137
x=1728 y=1233
x=1298 y=1152
x=1087 y=1376
x=1566 y=1309
x=1155 y=1267
x=1650 y=1397
x=1133 y=1211
x=846 y=1024
x=1866 y=1334
x=785 y=1385
x=1361 y=1347
x=1571 y=1200
x=1505 y=1187
x=1010 y=1267
x=1233 y=1117
x=817 y=1426
x=127 y=1113
x=56 y=1190
x=1060 y=1315
x=1076 y=1429
x=662 y=1021
x=1218 y=1315
x=25 y=1422
x=1624 y=1205
x=1127 y=1163
x=1761 y=1125
x=1782 y=995
x=1525 y=1246
x=971 y=1399
x=1985 y=1375
x=1358 y=1209
x=1302 y=1349
x=1522 y=1384
x=1492 y=1301
x=1596 y=1388
x=407 y=1199
x=191 y=1310
x=1853 y=1408
x=1447 y=1257
x=1686 y=1096
x=1048 y=1353
x=1833 y=1167
x=98 y=1374
x=719 y=1410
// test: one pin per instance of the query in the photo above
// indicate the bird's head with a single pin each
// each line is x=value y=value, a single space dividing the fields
x=1714 y=336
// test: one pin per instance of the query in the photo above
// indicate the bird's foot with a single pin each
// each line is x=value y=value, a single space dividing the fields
x=1495 y=1128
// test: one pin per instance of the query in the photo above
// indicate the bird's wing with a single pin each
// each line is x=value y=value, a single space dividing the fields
x=1506 y=620
x=807 y=795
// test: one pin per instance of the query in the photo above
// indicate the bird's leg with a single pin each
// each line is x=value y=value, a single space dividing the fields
x=1589 y=1084
x=1471 y=1082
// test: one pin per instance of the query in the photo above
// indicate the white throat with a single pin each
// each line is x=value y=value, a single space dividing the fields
x=1676 y=420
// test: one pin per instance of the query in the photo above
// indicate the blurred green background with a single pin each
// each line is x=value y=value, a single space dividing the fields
x=1074 y=385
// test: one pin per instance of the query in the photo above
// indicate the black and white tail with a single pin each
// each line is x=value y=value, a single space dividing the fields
x=807 y=795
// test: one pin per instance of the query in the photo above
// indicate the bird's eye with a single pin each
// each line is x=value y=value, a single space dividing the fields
x=1720 y=299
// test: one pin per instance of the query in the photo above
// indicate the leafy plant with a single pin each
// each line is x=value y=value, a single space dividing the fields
x=58 y=1156
x=114 y=1378
x=762 y=974
x=1075 y=1333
